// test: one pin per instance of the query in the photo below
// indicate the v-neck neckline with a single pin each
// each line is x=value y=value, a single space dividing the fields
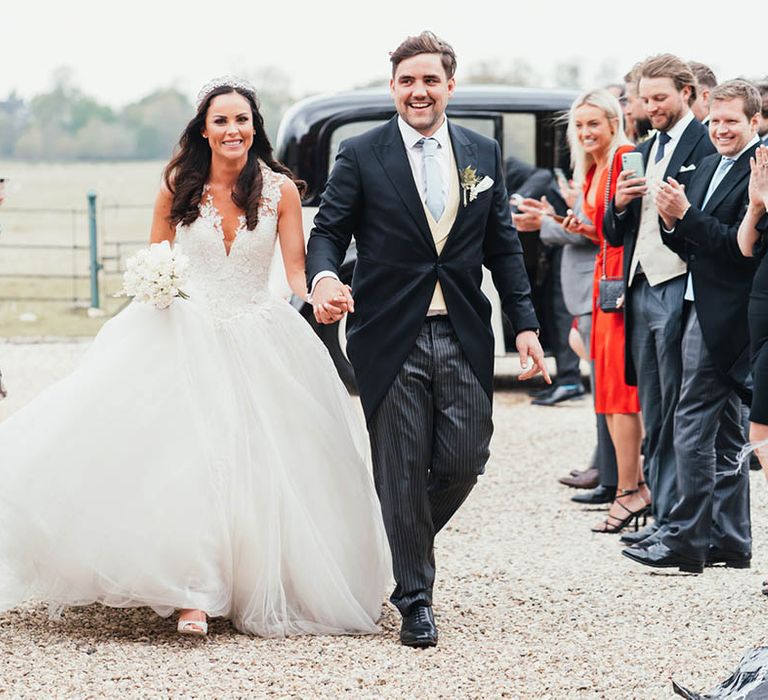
x=216 y=219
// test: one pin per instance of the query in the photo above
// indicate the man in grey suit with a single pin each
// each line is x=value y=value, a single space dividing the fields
x=710 y=521
x=654 y=275
x=577 y=277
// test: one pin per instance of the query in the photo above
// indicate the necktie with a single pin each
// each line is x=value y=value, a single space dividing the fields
x=717 y=178
x=434 y=185
x=664 y=139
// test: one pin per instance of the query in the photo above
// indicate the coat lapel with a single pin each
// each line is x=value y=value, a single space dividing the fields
x=700 y=185
x=465 y=154
x=391 y=154
x=682 y=152
x=739 y=170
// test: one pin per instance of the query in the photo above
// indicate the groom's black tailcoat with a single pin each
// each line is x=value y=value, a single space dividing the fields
x=371 y=195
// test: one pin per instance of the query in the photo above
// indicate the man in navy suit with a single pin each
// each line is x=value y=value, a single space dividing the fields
x=710 y=522
x=426 y=202
x=655 y=276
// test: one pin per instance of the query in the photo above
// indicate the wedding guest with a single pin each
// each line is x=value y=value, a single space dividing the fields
x=705 y=83
x=654 y=276
x=752 y=243
x=577 y=265
x=636 y=123
x=762 y=121
x=597 y=141
x=710 y=521
x=528 y=181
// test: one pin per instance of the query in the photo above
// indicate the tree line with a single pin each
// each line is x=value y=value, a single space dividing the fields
x=65 y=124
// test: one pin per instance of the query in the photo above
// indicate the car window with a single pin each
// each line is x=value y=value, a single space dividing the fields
x=520 y=136
x=346 y=131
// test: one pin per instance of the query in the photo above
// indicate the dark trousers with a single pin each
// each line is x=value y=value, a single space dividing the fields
x=713 y=496
x=657 y=330
x=559 y=321
x=604 y=456
x=430 y=440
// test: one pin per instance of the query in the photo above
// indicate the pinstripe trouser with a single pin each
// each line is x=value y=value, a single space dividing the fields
x=429 y=440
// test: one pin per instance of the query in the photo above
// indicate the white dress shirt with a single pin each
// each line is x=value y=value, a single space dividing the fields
x=416 y=160
x=754 y=143
x=675 y=133
x=411 y=137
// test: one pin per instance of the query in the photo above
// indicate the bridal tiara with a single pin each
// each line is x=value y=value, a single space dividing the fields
x=224 y=81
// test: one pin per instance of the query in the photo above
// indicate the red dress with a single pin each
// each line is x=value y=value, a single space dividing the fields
x=612 y=393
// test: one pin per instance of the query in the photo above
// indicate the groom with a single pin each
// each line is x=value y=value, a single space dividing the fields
x=426 y=203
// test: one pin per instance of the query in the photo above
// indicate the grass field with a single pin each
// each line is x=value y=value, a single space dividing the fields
x=46 y=204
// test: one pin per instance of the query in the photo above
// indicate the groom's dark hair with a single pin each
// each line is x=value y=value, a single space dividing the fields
x=426 y=42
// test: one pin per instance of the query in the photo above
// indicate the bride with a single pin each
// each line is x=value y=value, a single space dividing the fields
x=203 y=457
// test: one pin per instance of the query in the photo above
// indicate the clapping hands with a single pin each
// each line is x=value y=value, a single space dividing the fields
x=671 y=202
x=758 y=180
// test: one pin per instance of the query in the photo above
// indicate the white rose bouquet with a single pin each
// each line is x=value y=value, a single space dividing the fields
x=155 y=275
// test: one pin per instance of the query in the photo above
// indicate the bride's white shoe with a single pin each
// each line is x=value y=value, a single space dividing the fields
x=194 y=628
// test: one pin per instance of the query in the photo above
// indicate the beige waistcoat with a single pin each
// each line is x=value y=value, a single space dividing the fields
x=441 y=229
x=658 y=262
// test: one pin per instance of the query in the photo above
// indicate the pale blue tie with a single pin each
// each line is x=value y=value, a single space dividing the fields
x=717 y=178
x=433 y=178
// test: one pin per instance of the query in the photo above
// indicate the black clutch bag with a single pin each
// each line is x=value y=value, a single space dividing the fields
x=609 y=293
x=610 y=289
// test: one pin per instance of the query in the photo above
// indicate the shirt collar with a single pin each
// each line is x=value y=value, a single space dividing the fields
x=754 y=142
x=411 y=137
x=677 y=130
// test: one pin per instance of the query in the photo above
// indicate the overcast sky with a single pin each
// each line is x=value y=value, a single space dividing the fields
x=120 y=51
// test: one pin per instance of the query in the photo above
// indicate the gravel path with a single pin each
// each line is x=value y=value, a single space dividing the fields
x=530 y=604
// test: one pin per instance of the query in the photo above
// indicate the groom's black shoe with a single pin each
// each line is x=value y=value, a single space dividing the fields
x=418 y=629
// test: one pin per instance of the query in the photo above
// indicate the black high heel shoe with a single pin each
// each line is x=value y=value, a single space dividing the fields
x=613 y=525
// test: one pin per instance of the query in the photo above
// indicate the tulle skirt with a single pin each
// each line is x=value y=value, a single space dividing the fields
x=197 y=462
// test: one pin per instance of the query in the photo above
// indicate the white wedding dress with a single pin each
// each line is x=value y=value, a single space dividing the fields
x=203 y=456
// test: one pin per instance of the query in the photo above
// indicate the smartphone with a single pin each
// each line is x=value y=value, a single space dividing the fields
x=633 y=161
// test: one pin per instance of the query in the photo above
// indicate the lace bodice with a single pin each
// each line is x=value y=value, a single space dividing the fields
x=236 y=283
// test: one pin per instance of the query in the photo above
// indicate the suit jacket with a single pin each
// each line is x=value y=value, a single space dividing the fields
x=722 y=276
x=694 y=145
x=371 y=194
x=577 y=267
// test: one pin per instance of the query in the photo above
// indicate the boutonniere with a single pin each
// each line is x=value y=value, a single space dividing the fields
x=472 y=184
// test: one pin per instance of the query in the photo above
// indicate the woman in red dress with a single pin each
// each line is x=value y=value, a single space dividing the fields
x=597 y=140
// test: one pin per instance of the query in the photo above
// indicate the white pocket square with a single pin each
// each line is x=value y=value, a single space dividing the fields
x=687 y=168
x=485 y=184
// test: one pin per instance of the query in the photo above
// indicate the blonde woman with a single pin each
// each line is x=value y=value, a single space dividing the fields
x=597 y=141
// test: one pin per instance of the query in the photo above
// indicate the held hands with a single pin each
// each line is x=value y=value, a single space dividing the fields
x=331 y=300
x=671 y=202
x=528 y=346
x=629 y=187
x=758 y=181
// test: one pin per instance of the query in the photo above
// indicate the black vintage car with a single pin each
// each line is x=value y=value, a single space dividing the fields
x=527 y=124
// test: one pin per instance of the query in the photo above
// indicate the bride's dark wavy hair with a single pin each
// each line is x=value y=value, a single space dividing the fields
x=189 y=168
